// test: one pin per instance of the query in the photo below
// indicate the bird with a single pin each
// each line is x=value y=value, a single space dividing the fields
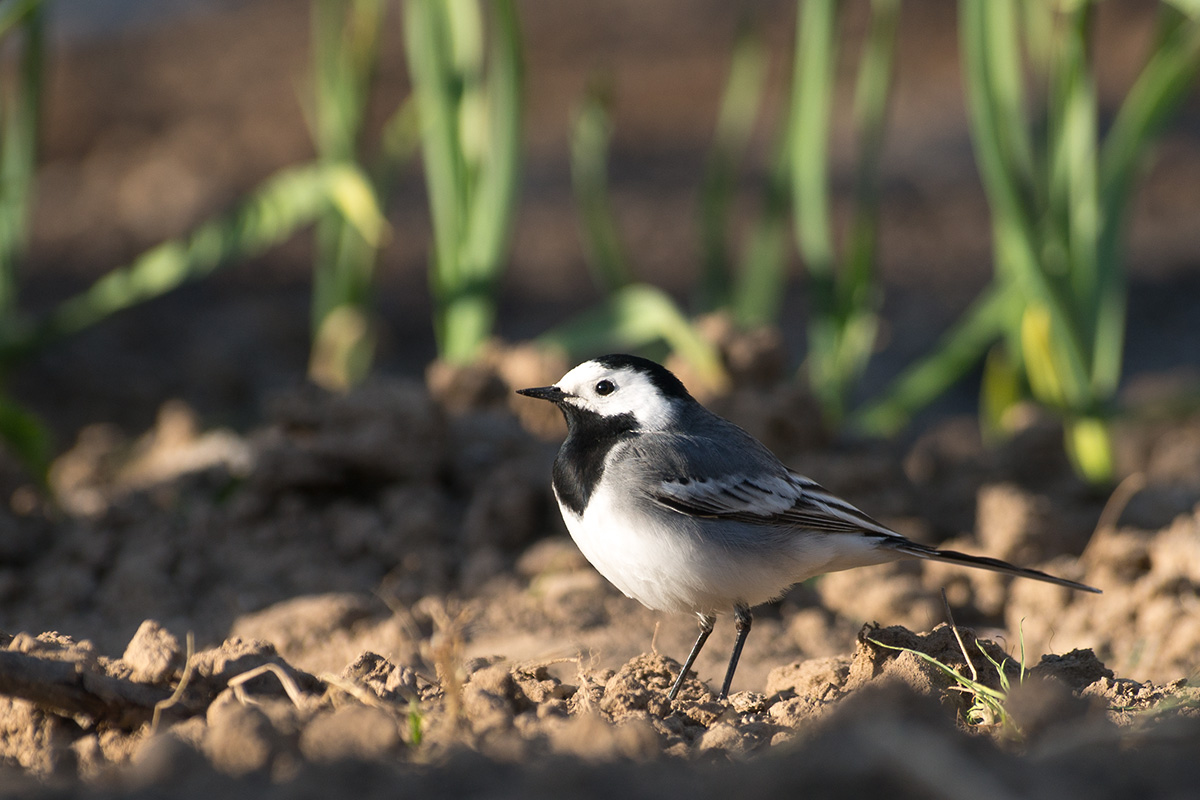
x=684 y=511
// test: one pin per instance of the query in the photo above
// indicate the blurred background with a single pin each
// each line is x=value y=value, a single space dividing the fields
x=282 y=151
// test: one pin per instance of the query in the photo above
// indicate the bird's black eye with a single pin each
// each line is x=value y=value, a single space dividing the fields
x=605 y=387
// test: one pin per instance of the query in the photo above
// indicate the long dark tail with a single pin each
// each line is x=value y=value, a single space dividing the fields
x=911 y=548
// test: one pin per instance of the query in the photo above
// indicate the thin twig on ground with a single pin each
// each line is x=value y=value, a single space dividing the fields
x=298 y=698
x=188 y=667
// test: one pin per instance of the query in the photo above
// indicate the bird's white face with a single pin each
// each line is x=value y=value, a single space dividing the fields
x=609 y=392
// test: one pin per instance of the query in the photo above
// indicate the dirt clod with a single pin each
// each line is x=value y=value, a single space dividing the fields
x=491 y=699
x=724 y=738
x=352 y=732
x=388 y=682
x=240 y=738
x=642 y=685
x=153 y=653
x=1077 y=669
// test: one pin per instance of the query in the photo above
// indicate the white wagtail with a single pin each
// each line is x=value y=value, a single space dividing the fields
x=684 y=511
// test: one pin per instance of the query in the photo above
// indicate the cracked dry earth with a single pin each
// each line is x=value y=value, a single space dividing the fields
x=382 y=600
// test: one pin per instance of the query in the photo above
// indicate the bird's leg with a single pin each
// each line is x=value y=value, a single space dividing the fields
x=742 y=619
x=706 y=627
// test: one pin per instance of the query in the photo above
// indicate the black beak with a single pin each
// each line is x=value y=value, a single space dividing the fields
x=551 y=393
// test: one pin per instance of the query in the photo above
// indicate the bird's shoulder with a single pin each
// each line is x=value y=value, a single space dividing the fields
x=702 y=446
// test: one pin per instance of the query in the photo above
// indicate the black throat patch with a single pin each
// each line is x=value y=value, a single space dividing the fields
x=580 y=461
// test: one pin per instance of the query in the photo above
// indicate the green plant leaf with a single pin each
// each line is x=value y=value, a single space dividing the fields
x=285 y=202
x=1156 y=95
x=988 y=705
x=956 y=352
x=1190 y=8
x=354 y=196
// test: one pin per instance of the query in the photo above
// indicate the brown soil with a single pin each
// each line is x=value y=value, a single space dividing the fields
x=379 y=587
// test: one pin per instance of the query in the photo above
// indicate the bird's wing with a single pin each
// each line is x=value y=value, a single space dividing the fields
x=748 y=484
x=785 y=500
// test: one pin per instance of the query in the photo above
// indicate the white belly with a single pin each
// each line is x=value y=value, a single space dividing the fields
x=672 y=562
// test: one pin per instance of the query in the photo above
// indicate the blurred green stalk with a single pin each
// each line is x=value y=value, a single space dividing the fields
x=591 y=136
x=761 y=283
x=20 y=110
x=469 y=109
x=345 y=35
x=22 y=433
x=740 y=102
x=752 y=289
x=844 y=297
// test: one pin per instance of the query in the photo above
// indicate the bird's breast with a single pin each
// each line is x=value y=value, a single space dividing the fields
x=579 y=465
x=672 y=562
x=633 y=551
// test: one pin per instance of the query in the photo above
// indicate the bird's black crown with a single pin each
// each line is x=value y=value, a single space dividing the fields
x=663 y=379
